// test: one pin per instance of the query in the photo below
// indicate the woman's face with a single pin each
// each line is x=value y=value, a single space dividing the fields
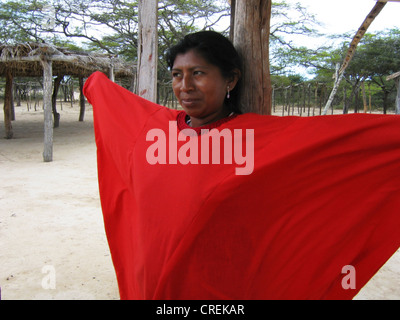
x=200 y=88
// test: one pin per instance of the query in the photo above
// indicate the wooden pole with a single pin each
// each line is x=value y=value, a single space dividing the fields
x=111 y=76
x=396 y=78
x=56 y=115
x=7 y=105
x=81 y=99
x=251 y=38
x=233 y=14
x=47 y=106
x=398 y=96
x=147 y=50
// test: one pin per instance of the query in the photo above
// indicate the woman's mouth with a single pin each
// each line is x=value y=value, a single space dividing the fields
x=188 y=103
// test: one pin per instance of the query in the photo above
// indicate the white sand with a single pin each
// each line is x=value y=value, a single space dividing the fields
x=50 y=213
x=51 y=227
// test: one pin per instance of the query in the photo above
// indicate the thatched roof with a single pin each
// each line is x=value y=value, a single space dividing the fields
x=24 y=60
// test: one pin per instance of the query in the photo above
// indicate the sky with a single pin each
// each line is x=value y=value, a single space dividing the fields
x=343 y=16
x=340 y=16
x=348 y=15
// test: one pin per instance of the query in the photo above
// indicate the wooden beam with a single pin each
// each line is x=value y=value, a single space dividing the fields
x=47 y=106
x=251 y=39
x=394 y=75
x=147 y=50
x=361 y=32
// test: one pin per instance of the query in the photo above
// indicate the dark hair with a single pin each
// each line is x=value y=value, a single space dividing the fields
x=217 y=50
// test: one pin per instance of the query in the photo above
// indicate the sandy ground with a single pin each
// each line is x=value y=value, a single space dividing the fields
x=51 y=227
x=52 y=240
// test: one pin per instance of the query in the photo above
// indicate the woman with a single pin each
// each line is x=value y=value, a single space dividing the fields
x=187 y=216
x=206 y=70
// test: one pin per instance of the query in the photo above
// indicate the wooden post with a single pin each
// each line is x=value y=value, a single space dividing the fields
x=81 y=99
x=398 y=96
x=47 y=106
x=396 y=78
x=147 y=50
x=111 y=76
x=251 y=38
x=370 y=97
x=56 y=115
x=233 y=14
x=12 y=102
x=7 y=105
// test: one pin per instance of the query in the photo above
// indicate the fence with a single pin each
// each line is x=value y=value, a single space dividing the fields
x=31 y=92
x=309 y=99
x=302 y=99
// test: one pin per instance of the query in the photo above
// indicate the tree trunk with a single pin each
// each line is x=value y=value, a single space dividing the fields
x=57 y=83
x=357 y=100
x=251 y=30
x=364 y=95
x=47 y=106
x=7 y=105
x=147 y=50
x=385 y=100
x=81 y=100
x=18 y=95
x=354 y=91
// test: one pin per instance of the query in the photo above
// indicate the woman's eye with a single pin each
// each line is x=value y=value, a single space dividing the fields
x=176 y=74
x=196 y=73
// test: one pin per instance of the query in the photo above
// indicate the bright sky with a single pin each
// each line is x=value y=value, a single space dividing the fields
x=343 y=16
x=340 y=16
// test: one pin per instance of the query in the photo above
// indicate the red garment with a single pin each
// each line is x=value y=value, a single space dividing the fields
x=323 y=194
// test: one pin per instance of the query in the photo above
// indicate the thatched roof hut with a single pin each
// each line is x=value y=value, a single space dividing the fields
x=25 y=60
x=45 y=60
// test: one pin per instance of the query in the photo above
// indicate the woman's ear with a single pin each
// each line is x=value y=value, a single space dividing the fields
x=234 y=78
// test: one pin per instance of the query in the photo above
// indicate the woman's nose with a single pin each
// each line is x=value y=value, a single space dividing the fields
x=187 y=83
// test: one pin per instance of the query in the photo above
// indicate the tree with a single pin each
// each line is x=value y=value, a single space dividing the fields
x=289 y=22
x=110 y=26
x=17 y=19
x=100 y=22
x=352 y=49
x=378 y=57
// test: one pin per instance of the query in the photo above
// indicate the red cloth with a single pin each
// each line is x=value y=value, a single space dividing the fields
x=324 y=193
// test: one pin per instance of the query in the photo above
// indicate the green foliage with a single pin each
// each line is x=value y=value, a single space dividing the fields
x=17 y=19
x=289 y=22
x=109 y=26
